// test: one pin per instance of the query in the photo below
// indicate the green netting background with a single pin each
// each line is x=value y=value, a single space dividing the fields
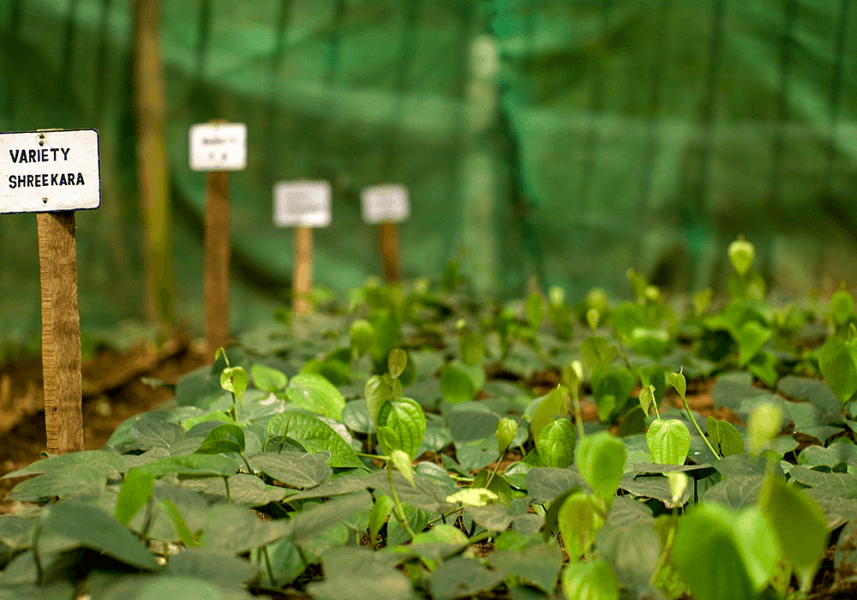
x=613 y=133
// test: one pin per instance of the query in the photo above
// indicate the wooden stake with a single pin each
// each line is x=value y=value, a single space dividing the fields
x=216 y=260
x=390 y=250
x=60 y=332
x=302 y=282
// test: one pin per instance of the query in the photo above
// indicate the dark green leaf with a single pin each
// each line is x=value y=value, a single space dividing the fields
x=223 y=438
x=93 y=528
x=736 y=492
x=312 y=521
x=838 y=484
x=632 y=552
x=221 y=569
x=461 y=577
x=235 y=530
x=294 y=469
x=544 y=484
x=538 y=565
x=192 y=464
x=356 y=417
x=472 y=421
x=837 y=361
x=74 y=480
x=268 y=379
x=357 y=574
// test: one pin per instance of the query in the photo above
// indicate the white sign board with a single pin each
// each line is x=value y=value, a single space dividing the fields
x=302 y=204
x=386 y=203
x=218 y=147
x=49 y=171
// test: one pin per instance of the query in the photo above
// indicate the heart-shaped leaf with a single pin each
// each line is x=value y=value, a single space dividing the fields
x=223 y=438
x=401 y=426
x=600 y=458
x=751 y=337
x=837 y=361
x=555 y=444
x=315 y=393
x=592 y=580
x=268 y=379
x=668 y=441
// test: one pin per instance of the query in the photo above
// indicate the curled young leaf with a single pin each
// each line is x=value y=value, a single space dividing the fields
x=506 y=430
x=765 y=424
x=592 y=318
x=741 y=254
x=403 y=464
x=678 y=382
x=235 y=380
x=397 y=360
x=647 y=398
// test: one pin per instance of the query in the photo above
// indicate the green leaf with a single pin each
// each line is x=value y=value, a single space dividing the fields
x=555 y=443
x=472 y=348
x=312 y=521
x=473 y=496
x=223 y=438
x=647 y=398
x=800 y=526
x=74 y=480
x=600 y=458
x=471 y=421
x=356 y=417
x=156 y=433
x=535 y=311
x=93 y=528
x=187 y=538
x=358 y=573
x=668 y=441
x=191 y=464
x=841 y=307
x=632 y=551
x=377 y=391
x=316 y=394
x=401 y=426
x=294 y=469
x=724 y=437
x=458 y=384
x=235 y=380
x=397 y=360
x=220 y=569
x=837 y=361
x=580 y=517
x=678 y=382
x=545 y=484
x=736 y=492
x=838 y=484
x=362 y=336
x=378 y=516
x=552 y=406
x=505 y=433
x=235 y=530
x=268 y=379
x=707 y=554
x=462 y=577
x=597 y=353
x=741 y=254
x=403 y=464
x=590 y=580
x=315 y=436
x=133 y=495
x=158 y=588
x=108 y=463
x=649 y=342
x=539 y=565
x=765 y=423
x=592 y=318
x=751 y=337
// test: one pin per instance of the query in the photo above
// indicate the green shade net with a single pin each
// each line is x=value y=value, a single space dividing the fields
x=611 y=134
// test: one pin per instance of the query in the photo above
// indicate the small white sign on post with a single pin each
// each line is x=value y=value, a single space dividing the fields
x=302 y=204
x=218 y=147
x=49 y=171
x=385 y=203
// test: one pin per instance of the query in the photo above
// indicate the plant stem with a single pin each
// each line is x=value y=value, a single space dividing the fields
x=578 y=414
x=699 y=429
x=443 y=517
x=496 y=468
x=400 y=513
x=268 y=568
x=247 y=463
x=378 y=456
x=662 y=560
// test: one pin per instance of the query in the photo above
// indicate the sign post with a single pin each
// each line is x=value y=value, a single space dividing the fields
x=387 y=205
x=54 y=173
x=303 y=205
x=217 y=147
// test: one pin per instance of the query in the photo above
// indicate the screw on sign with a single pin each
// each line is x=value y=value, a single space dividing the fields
x=54 y=173
x=217 y=147
x=386 y=205
x=302 y=205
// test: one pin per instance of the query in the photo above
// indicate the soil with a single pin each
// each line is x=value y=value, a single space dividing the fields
x=113 y=391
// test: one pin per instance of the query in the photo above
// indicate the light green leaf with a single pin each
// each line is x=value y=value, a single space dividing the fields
x=268 y=379
x=362 y=336
x=397 y=360
x=590 y=580
x=668 y=441
x=837 y=361
x=551 y=407
x=751 y=337
x=377 y=391
x=235 y=380
x=724 y=437
x=841 y=307
x=597 y=353
x=316 y=394
x=580 y=517
x=403 y=464
x=191 y=464
x=765 y=423
x=378 y=516
x=741 y=255
x=600 y=458
x=678 y=382
x=800 y=526
x=473 y=496
x=315 y=436
x=555 y=443
x=133 y=495
x=472 y=348
x=457 y=383
x=505 y=433
x=401 y=426
x=647 y=398
x=535 y=311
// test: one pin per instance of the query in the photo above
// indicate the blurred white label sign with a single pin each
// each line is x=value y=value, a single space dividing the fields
x=218 y=147
x=386 y=203
x=49 y=171
x=302 y=204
